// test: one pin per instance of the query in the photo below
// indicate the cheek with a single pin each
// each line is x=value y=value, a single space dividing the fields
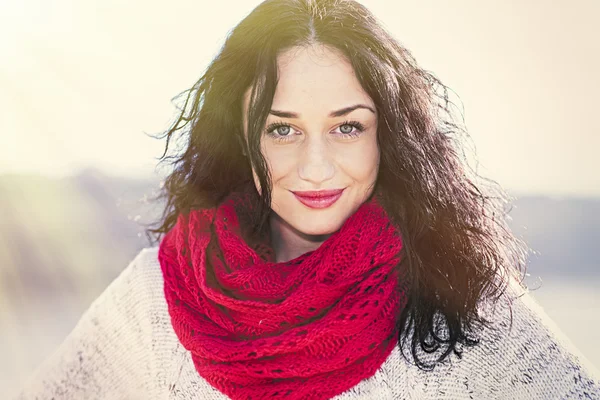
x=280 y=161
x=363 y=163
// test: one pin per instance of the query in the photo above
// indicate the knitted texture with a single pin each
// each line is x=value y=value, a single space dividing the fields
x=124 y=348
x=309 y=328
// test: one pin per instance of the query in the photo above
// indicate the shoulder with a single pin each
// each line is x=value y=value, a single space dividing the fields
x=136 y=294
x=148 y=309
x=135 y=304
x=146 y=269
x=528 y=334
x=536 y=354
x=174 y=370
x=123 y=345
x=143 y=277
x=521 y=354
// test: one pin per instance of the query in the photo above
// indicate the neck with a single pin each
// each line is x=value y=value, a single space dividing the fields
x=289 y=243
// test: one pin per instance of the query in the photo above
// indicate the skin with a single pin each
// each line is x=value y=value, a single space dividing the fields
x=317 y=151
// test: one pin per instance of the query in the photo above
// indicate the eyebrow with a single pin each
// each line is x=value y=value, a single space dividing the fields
x=337 y=113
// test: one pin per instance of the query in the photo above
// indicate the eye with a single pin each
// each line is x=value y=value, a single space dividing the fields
x=278 y=128
x=351 y=129
x=282 y=132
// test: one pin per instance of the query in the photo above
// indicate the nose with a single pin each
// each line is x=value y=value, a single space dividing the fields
x=316 y=161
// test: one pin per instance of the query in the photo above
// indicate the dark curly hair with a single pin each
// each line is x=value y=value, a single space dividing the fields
x=458 y=248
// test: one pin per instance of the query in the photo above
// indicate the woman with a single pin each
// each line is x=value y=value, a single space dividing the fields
x=323 y=238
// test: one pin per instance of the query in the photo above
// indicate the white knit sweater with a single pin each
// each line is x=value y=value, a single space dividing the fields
x=124 y=347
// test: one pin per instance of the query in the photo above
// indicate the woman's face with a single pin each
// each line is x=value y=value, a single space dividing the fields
x=321 y=134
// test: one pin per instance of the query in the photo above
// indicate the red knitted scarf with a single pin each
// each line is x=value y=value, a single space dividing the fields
x=309 y=328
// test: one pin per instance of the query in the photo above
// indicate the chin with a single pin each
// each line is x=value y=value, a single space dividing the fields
x=309 y=227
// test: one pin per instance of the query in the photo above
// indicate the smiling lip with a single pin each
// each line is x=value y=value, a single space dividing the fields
x=319 y=198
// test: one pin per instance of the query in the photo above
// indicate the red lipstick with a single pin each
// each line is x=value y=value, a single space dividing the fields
x=319 y=198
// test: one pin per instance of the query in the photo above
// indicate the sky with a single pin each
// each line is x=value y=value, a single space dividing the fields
x=83 y=83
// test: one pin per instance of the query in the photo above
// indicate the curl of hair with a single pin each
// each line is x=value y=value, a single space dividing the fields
x=458 y=249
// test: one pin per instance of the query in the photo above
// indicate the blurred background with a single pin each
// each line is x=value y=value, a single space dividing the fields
x=81 y=82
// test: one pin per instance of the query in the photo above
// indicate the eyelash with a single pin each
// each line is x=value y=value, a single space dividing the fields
x=359 y=128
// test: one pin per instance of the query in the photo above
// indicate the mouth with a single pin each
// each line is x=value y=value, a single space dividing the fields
x=319 y=198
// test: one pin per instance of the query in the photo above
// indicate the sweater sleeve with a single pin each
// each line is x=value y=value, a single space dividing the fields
x=104 y=356
x=538 y=359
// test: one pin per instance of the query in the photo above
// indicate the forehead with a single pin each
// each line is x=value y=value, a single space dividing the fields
x=315 y=78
